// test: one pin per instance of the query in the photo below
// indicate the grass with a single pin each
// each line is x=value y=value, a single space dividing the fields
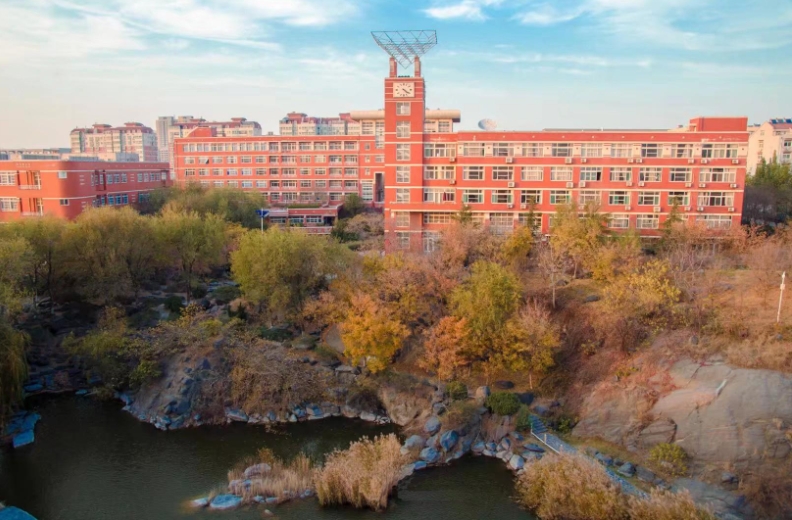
x=285 y=480
x=362 y=475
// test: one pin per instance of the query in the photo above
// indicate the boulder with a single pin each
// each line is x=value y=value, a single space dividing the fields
x=505 y=444
x=542 y=410
x=368 y=416
x=720 y=501
x=627 y=469
x=605 y=460
x=199 y=502
x=257 y=470
x=236 y=415
x=23 y=439
x=504 y=385
x=659 y=431
x=516 y=462
x=481 y=394
x=429 y=455
x=407 y=404
x=414 y=441
x=13 y=513
x=478 y=447
x=525 y=398
x=534 y=447
x=224 y=502
x=644 y=474
x=419 y=464
x=432 y=425
x=728 y=478
x=448 y=440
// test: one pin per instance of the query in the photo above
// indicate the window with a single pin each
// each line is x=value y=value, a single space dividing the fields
x=274 y=184
x=682 y=151
x=289 y=172
x=437 y=218
x=591 y=173
x=532 y=173
x=503 y=149
x=402 y=240
x=438 y=172
x=473 y=149
x=430 y=242
x=473 y=173
x=402 y=219
x=680 y=174
x=403 y=174
x=402 y=195
x=719 y=151
x=501 y=197
x=562 y=149
x=261 y=184
x=321 y=184
x=717 y=175
x=379 y=158
x=62 y=174
x=246 y=172
x=402 y=109
x=336 y=172
x=336 y=184
x=231 y=159
x=231 y=171
x=233 y=184
x=589 y=198
x=350 y=185
x=261 y=171
x=648 y=198
x=591 y=150
x=650 y=174
x=350 y=172
x=402 y=129
x=532 y=220
x=189 y=172
x=532 y=150
x=438 y=195
x=472 y=196
x=619 y=198
x=305 y=158
x=319 y=146
x=247 y=184
x=679 y=198
x=561 y=173
x=9 y=204
x=619 y=221
x=716 y=198
x=402 y=152
x=246 y=159
x=501 y=223
x=531 y=197
x=439 y=150
x=274 y=159
x=444 y=127
x=189 y=160
x=647 y=221
x=621 y=174
x=305 y=184
x=715 y=221
x=559 y=197
x=650 y=150
x=261 y=159
x=502 y=173
x=621 y=150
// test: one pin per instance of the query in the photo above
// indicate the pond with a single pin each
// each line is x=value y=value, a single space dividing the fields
x=91 y=461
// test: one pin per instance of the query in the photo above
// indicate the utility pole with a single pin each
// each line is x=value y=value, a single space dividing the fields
x=261 y=214
x=781 y=296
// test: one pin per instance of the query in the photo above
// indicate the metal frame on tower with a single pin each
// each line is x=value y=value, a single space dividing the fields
x=403 y=46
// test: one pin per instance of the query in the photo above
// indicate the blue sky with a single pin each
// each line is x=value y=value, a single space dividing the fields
x=528 y=64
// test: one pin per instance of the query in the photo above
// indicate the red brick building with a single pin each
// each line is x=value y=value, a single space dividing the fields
x=67 y=188
x=410 y=161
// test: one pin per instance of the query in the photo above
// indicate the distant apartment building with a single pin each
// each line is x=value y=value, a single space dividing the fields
x=170 y=128
x=29 y=154
x=297 y=123
x=131 y=142
x=411 y=162
x=65 y=189
x=771 y=139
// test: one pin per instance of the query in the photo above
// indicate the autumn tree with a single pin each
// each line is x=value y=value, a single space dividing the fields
x=527 y=342
x=444 y=346
x=13 y=368
x=14 y=254
x=43 y=266
x=371 y=333
x=191 y=243
x=231 y=205
x=579 y=235
x=552 y=263
x=516 y=247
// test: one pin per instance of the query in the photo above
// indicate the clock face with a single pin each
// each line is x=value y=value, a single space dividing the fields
x=403 y=90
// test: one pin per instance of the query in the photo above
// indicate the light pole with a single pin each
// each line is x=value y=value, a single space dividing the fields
x=262 y=213
x=781 y=296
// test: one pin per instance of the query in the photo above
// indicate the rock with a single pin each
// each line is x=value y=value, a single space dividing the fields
x=504 y=385
x=728 y=478
x=516 y=436
x=448 y=440
x=492 y=446
x=429 y=455
x=478 y=447
x=659 y=431
x=720 y=501
x=419 y=464
x=534 y=447
x=257 y=470
x=267 y=512
x=530 y=456
x=481 y=394
x=14 y=513
x=488 y=453
x=204 y=365
x=81 y=392
x=525 y=398
x=542 y=410
x=591 y=298
x=432 y=425
x=438 y=408
x=23 y=439
x=33 y=388
x=414 y=441
x=645 y=475
x=516 y=462
x=236 y=415
x=368 y=416
x=694 y=340
x=199 y=502
x=346 y=369
x=224 y=502
x=605 y=460
x=627 y=469
x=271 y=500
x=350 y=411
x=304 y=342
x=505 y=444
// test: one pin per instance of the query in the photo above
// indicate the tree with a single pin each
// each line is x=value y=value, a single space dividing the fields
x=13 y=368
x=527 y=342
x=515 y=249
x=444 y=346
x=14 y=254
x=280 y=269
x=43 y=271
x=486 y=301
x=370 y=332
x=552 y=263
x=191 y=243
x=229 y=204
x=353 y=204
x=768 y=193
x=579 y=236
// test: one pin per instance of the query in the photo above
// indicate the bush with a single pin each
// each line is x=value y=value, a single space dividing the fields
x=147 y=370
x=503 y=403
x=769 y=490
x=226 y=294
x=457 y=390
x=362 y=475
x=275 y=334
x=522 y=419
x=665 y=505
x=174 y=304
x=199 y=291
x=670 y=458
x=283 y=480
x=459 y=415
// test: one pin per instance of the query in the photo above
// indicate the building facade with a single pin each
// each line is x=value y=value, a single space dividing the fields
x=170 y=128
x=410 y=161
x=770 y=140
x=131 y=142
x=66 y=188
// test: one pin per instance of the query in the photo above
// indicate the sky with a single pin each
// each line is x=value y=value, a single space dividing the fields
x=527 y=64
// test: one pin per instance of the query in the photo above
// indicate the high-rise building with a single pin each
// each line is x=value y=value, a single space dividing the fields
x=170 y=128
x=410 y=161
x=133 y=141
x=65 y=189
x=770 y=140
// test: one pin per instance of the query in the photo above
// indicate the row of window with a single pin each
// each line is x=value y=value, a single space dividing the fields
x=282 y=159
x=645 y=150
x=272 y=146
x=567 y=173
x=285 y=172
x=301 y=197
x=286 y=184
x=100 y=179
x=556 y=197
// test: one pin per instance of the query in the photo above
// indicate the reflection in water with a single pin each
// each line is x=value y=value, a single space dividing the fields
x=93 y=462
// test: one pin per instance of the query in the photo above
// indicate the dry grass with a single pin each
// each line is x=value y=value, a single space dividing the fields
x=284 y=480
x=770 y=491
x=362 y=475
x=665 y=505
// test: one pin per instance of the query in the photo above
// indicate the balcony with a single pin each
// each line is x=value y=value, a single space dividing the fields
x=30 y=186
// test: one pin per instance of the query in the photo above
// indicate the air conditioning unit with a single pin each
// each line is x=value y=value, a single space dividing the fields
x=509 y=160
x=687 y=208
x=731 y=210
x=523 y=206
x=702 y=185
x=452 y=159
x=735 y=161
x=628 y=183
x=570 y=185
x=510 y=206
x=688 y=185
x=639 y=161
x=657 y=209
x=582 y=184
x=704 y=161
x=452 y=181
x=732 y=185
x=568 y=160
x=627 y=208
x=511 y=185
x=584 y=160
x=641 y=184
x=631 y=160
x=691 y=161
x=700 y=208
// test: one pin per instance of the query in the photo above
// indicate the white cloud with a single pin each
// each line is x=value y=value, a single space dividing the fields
x=468 y=9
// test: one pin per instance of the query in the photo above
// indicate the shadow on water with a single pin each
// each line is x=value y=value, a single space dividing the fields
x=91 y=461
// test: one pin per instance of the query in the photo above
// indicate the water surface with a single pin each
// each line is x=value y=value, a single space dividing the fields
x=91 y=461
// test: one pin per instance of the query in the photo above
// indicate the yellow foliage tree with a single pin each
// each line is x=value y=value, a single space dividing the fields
x=371 y=332
x=444 y=347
